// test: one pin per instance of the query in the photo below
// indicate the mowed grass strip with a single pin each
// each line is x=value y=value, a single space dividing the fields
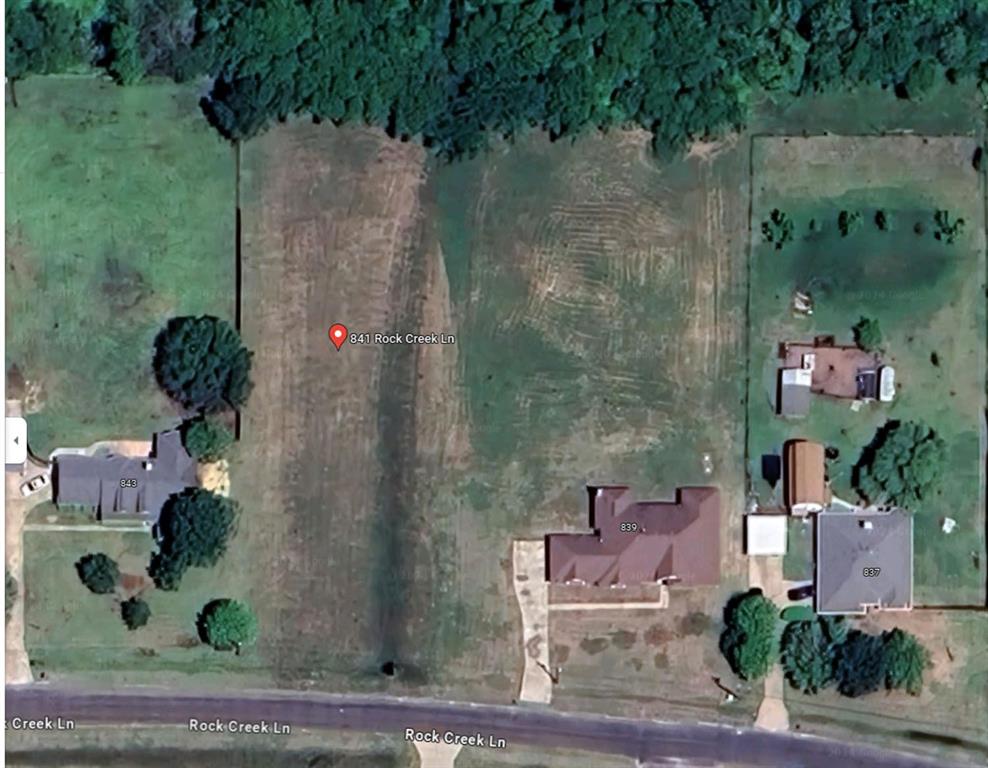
x=120 y=214
x=928 y=297
x=72 y=632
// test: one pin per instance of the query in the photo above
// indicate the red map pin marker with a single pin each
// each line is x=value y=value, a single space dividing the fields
x=337 y=335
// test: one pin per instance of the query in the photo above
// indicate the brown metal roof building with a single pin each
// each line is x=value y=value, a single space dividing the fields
x=804 y=475
x=636 y=542
x=124 y=487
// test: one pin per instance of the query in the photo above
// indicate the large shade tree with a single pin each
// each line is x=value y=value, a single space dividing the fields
x=42 y=38
x=193 y=531
x=749 y=639
x=860 y=664
x=903 y=465
x=905 y=661
x=809 y=651
x=202 y=363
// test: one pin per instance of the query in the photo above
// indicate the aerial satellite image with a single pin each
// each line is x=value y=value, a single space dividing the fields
x=496 y=383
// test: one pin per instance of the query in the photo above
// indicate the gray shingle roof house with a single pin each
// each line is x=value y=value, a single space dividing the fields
x=125 y=487
x=864 y=560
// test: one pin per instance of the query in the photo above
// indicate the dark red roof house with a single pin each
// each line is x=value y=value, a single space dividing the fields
x=637 y=542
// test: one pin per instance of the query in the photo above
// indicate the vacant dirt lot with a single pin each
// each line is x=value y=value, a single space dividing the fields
x=331 y=234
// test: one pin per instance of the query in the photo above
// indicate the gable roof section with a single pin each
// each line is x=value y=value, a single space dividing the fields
x=805 y=474
x=96 y=481
x=640 y=542
x=850 y=543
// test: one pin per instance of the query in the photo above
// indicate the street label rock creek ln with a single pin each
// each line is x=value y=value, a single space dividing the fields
x=218 y=725
x=475 y=739
x=41 y=724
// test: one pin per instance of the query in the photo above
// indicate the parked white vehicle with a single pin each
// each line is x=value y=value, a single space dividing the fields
x=34 y=485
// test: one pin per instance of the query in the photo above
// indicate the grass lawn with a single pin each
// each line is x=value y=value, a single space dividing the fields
x=797 y=564
x=947 y=718
x=166 y=746
x=597 y=300
x=928 y=297
x=597 y=304
x=72 y=632
x=119 y=216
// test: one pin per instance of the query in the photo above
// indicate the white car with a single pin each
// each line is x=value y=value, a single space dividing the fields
x=34 y=485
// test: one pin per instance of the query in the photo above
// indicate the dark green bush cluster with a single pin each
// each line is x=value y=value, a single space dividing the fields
x=821 y=652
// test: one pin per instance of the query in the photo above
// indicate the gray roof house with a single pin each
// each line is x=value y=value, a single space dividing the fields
x=864 y=560
x=124 y=487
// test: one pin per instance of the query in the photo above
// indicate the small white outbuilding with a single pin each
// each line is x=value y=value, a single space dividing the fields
x=766 y=534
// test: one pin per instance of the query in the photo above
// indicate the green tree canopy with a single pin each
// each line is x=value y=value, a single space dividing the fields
x=153 y=37
x=947 y=228
x=228 y=625
x=778 y=229
x=903 y=465
x=98 y=572
x=193 y=531
x=167 y=571
x=849 y=222
x=860 y=665
x=868 y=334
x=42 y=38
x=206 y=439
x=10 y=593
x=905 y=661
x=202 y=364
x=455 y=74
x=135 y=613
x=749 y=639
x=809 y=652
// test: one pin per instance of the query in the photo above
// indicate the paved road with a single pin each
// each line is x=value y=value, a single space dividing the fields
x=644 y=740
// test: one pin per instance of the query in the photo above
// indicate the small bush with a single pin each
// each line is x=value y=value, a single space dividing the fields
x=99 y=573
x=868 y=334
x=849 y=222
x=228 y=625
x=779 y=229
x=135 y=613
x=205 y=439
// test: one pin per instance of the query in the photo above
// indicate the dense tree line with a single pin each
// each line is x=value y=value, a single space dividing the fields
x=455 y=72
x=822 y=651
x=42 y=38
